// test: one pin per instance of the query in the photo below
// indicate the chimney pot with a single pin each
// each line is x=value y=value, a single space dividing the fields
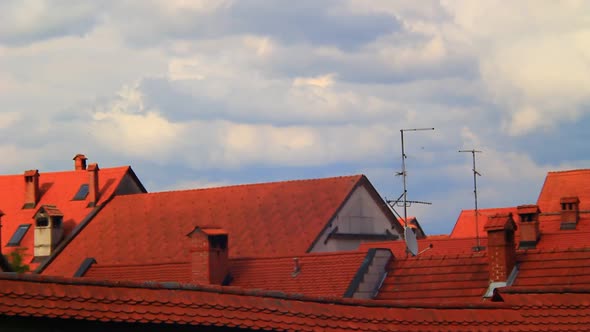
x=93 y=184
x=209 y=256
x=501 y=249
x=529 y=226
x=80 y=162
x=31 y=188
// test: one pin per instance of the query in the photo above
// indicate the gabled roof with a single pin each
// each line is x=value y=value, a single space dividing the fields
x=56 y=189
x=266 y=219
x=565 y=184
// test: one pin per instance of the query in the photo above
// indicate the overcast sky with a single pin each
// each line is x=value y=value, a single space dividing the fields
x=204 y=93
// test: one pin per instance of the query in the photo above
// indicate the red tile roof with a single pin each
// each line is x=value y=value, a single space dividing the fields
x=554 y=268
x=176 y=305
x=465 y=224
x=57 y=189
x=267 y=219
x=565 y=184
x=319 y=274
x=448 y=279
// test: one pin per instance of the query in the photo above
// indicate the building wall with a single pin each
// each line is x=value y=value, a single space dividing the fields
x=361 y=214
x=128 y=186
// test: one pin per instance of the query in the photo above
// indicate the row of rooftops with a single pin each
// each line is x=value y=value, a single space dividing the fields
x=262 y=236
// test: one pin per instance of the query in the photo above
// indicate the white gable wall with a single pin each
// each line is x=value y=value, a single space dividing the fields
x=361 y=214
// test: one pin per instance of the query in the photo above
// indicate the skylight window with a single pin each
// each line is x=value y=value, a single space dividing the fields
x=82 y=193
x=18 y=235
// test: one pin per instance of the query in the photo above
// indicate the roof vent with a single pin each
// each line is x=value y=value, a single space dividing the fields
x=570 y=207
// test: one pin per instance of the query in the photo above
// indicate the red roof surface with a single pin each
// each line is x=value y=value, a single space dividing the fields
x=267 y=219
x=217 y=306
x=465 y=225
x=56 y=188
x=325 y=274
x=319 y=275
x=554 y=268
x=565 y=184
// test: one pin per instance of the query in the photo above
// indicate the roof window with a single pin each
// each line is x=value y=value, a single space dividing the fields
x=18 y=235
x=82 y=193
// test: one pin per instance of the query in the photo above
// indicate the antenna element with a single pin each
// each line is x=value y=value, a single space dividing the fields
x=478 y=246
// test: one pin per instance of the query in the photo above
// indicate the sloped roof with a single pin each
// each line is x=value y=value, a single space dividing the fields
x=319 y=275
x=56 y=189
x=177 y=305
x=465 y=224
x=323 y=274
x=266 y=219
x=565 y=184
x=554 y=268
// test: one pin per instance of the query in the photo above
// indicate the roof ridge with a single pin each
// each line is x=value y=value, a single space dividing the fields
x=258 y=184
x=577 y=170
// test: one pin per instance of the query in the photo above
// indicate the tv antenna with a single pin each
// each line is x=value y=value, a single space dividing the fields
x=411 y=243
x=478 y=246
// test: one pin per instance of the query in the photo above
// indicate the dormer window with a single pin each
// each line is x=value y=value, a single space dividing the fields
x=42 y=221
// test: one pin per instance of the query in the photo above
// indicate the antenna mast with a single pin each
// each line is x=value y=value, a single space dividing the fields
x=478 y=246
x=403 y=172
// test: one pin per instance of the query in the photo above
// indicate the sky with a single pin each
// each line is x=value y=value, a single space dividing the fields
x=205 y=93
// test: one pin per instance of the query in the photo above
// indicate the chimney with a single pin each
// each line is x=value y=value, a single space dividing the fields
x=93 y=184
x=501 y=249
x=48 y=230
x=31 y=189
x=529 y=226
x=570 y=207
x=209 y=256
x=80 y=162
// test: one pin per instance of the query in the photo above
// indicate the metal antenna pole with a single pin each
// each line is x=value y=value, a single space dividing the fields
x=405 y=194
x=475 y=174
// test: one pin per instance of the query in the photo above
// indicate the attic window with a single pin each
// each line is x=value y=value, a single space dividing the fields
x=18 y=235
x=82 y=193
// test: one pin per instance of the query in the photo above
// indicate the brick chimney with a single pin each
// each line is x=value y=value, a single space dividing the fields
x=80 y=162
x=529 y=226
x=209 y=256
x=93 y=185
x=570 y=207
x=31 y=189
x=501 y=249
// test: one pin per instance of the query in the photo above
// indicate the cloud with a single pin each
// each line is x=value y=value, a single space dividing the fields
x=26 y=21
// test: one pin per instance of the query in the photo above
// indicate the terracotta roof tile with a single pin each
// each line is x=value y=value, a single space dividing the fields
x=219 y=306
x=565 y=184
x=465 y=224
x=267 y=219
x=319 y=274
x=57 y=189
